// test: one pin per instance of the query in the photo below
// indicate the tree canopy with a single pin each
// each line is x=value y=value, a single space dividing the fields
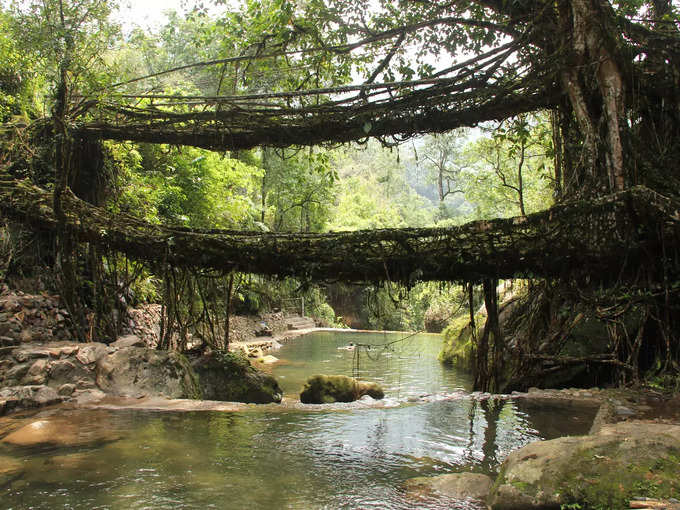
x=584 y=94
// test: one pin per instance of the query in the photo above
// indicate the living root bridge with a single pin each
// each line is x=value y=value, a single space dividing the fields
x=606 y=239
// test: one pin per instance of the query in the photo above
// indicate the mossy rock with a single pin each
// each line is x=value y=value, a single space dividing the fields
x=326 y=389
x=458 y=346
x=602 y=471
x=231 y=378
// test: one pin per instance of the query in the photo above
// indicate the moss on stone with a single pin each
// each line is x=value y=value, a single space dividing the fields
x=598 y=480
x=191 y=385
x=326 y=389
x=458 y=346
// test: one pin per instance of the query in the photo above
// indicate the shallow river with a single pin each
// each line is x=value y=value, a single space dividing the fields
x=291 y=456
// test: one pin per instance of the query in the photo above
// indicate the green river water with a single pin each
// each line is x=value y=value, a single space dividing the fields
x=290 y=456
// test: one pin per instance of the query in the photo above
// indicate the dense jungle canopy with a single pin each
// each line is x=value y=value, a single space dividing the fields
x=277 y=75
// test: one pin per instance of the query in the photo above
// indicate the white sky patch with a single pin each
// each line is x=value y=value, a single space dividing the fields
x=152 y=14
x=147 y=13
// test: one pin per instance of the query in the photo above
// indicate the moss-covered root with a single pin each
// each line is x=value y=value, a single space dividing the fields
x=326 y=389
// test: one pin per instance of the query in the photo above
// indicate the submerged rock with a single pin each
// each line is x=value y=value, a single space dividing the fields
x=10 y=469
x=460 y=486
x=62 y=432
x=228 y=377
x=326 y=389
x=604 y=470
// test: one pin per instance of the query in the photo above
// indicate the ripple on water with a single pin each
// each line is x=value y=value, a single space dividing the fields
x=339 y=456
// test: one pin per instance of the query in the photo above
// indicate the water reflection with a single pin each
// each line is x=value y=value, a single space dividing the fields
x=274 y=457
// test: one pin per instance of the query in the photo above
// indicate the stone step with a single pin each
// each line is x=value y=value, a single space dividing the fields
x=300 y=323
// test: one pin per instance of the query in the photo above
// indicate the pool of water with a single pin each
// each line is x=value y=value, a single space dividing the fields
x=291 y=456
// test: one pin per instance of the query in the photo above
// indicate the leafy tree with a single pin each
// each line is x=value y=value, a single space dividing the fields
x=192 y=187
x=374 y=192
x=296 y=190
x=70 y=36
x=444 y=161
x=511 y=168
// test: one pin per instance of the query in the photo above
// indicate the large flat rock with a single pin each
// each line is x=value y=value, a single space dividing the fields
x=605 y=470
x=73 y=430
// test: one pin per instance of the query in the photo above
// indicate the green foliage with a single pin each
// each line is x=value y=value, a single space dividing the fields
x=665 y=381
x=234 y=362
x=77 y=36
x=373 y=192
x=191 y=187
x=296 y=190
x=510 y=169
x=19 y=83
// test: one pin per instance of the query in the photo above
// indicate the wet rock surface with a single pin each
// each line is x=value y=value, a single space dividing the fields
x=606 y=469
x=455 y=486
x=61 y=432
x=10 y=469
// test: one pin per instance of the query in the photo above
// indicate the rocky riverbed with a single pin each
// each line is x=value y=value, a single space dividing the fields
x=630 y=459
x=632 y=451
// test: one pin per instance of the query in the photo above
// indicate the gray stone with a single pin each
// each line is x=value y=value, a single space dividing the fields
x=134 y=371
x=623 y=411
x=18 y=371
x=24 y=355
x=36 y=373
x=64 y=371
x=66 y=390
x=128 y=341
x=17 y=398
x=88 y=396
x=91 y=353
x=85 y=384
x=37 y=367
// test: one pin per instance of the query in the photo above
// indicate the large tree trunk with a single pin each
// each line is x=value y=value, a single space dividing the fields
x=593 y=81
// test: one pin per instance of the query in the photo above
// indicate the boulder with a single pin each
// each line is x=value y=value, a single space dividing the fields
x=66 y=390
x=135 y=371
x=230 y=377
x=605 y=470
x=16 y=398
x=64 y=371
x=326 y=389
x=36 y=373
x=62 y=432
x=456 y=486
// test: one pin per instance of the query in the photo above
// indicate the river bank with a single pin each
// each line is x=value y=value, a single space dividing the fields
x=57 y=377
